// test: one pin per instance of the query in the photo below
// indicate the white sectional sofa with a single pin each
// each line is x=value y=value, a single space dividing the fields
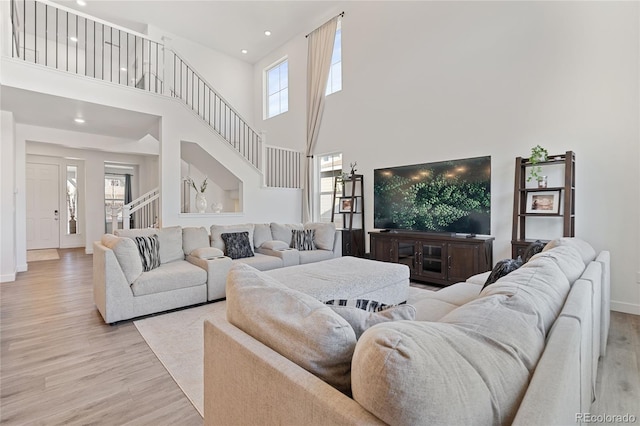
x=523 y=351
x=193 y=266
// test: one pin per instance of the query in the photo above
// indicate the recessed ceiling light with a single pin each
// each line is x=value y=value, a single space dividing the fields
x=81 y=2
x=79 y=120
x=74 y=39
x=123 y=69
x=267 y=33
x=244 y=51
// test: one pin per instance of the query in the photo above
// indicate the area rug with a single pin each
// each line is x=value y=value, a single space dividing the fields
x=177 y=340
x=44 y=254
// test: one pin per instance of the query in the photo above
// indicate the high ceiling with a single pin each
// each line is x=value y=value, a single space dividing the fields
x=227 y=26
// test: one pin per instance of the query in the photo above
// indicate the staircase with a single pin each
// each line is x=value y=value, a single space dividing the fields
x=57 y=37
x=139 y=213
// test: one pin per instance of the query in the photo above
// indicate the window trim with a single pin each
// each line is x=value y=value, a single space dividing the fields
x=265 y=87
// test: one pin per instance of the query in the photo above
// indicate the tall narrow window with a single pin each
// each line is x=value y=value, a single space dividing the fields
x=72 y=199
x=277 y=90
x=334 y=84
x=330 y=167
x=114 y=186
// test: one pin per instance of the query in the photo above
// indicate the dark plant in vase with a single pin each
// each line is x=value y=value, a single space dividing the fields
x=538 y=155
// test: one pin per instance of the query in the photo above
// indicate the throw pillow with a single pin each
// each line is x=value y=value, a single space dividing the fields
x=361 y=320
x=325 y=234
x=364 y=304
x=303 y=239
x=502 y=268
x=207 y=253
x=533 y=248
x=127 y=254
x=291 y=323
x=216 y=232
x=237 y=245
x=149 y=249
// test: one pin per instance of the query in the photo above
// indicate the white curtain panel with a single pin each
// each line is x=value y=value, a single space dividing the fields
x=319 y=54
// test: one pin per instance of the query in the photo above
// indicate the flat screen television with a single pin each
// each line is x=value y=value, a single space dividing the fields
x=447 y=196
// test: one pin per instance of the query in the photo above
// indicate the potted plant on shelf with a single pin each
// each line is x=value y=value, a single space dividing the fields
x=201 y=201
x=538 y=155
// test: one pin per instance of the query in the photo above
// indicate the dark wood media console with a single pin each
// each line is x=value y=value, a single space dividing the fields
x=435 y=258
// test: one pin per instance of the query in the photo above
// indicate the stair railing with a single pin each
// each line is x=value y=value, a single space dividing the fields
x=58 y=37
x=193 y=89
x=139 y=213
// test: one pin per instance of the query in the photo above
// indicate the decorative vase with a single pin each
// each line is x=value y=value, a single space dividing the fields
x=201 y=203
x=542 y=181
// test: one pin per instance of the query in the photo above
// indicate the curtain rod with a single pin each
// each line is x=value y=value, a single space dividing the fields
x=341 y=14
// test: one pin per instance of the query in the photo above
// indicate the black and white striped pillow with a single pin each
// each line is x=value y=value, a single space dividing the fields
x=364 y=304
x=303 y=239
x=149 y=249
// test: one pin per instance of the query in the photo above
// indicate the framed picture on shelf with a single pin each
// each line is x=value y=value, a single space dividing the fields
x=345 y=205
x=543 y=202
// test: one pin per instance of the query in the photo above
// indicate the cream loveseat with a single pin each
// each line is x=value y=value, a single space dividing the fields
x=524 y=351
x=193 y=268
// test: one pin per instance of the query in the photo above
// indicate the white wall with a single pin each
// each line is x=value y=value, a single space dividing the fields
x=431 y=81
x=46 y=145
x=178 y=124
x=228 y=76
x=8 y=265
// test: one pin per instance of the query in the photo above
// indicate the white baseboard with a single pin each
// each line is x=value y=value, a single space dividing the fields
x=7 y=278
x=624 y=307
x=88 y=250
x=22 y=268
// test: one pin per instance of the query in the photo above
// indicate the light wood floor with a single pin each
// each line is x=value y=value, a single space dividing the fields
x=61 y=365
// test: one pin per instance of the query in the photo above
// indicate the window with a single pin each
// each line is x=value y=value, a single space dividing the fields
x=330 y=167
x=113 y=197
x=334 y=84
x=277 y=82
x=72 y=199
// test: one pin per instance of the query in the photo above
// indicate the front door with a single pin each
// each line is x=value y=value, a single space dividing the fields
x=43 y=209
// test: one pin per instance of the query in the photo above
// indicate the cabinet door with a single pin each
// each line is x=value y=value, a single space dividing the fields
x=407 y=254
x=382 y=249
x=432 y=260
x=353 y=242
x=462 y=261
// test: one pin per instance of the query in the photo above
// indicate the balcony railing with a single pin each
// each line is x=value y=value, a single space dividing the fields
x=57 y=37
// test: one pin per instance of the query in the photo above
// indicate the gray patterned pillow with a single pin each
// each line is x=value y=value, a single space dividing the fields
x=361 y=320
x=237 y=245
x=303 y=239
x=364 y=304
x=531 y=250
x=149 y=249
x=502 y=268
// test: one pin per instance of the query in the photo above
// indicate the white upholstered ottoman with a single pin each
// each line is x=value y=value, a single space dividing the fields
x=348 y=278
